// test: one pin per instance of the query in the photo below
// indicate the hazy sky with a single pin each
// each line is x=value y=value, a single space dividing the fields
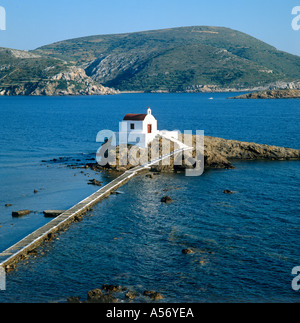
x=33 y=23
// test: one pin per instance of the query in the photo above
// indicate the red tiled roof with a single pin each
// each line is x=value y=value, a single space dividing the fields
x=135 y=117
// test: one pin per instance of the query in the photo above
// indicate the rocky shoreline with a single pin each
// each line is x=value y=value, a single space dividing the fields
x=276 y=86
x=271 y=94
x=218 y=153
x=117 y=294
x=72 y=81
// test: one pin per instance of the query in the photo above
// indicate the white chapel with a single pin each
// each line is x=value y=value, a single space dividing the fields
x=141 y=129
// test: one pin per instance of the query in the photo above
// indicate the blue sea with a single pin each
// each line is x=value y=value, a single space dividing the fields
x=245 y=244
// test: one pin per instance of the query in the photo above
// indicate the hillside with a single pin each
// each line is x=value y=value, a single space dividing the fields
x=22 y=66
x=26 y=73
x=196 y=58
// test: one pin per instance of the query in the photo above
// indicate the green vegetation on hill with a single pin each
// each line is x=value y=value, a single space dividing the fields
x=27 y=73
x=178 y=59
x=192 y=59
x=18 y=67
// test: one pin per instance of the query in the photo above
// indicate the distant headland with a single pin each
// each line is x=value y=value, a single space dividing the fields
x=176 y=60
x=272 y=94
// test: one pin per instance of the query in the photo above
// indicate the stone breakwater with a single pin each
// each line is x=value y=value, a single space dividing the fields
x=218 y=153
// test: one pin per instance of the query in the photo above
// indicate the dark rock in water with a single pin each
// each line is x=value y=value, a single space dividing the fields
x=94 y=294
x=149 y=292
x=78 y=218
x=166 y=199
x=106 y=295
x=53 y=213
x=95 y=182
x=9 y=268
x=130 y=295
x=187 y=251
x=50 y=237
x=153 y=295
x=32 y=252
x=20 y=213
x=112 y=288
x=157 y=296
x=228 y=192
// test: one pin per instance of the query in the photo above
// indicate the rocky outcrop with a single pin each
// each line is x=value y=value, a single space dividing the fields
x=95 y=182
x=228 y=192
x=280 y=85
x=272 y=94
x=107 y=68
x=23 y=54
x=166 y=199
x=20 y=213
x=153 y=295
x=218 y=153
x=225 y=151
x=211 y=88
x=187 y=251
x=117 y=294
x=72 y=81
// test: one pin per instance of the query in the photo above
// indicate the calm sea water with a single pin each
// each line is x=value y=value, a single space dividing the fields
x=246 y=244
